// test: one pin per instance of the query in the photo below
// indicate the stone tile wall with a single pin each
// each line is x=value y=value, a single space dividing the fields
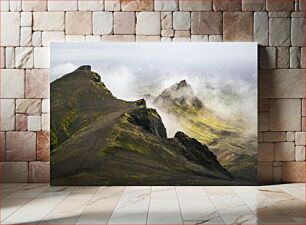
x=28 y=26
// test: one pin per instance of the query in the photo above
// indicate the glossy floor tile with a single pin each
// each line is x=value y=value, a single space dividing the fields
x=42 y=204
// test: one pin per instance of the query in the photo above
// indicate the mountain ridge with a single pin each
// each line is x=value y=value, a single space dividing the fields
x=98 y=139
x=179 y=103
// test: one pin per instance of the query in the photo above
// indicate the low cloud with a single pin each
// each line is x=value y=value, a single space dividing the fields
x=59 y=70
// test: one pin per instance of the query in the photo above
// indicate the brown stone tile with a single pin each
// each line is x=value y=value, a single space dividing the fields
x=284 y=151
x=265 y=152
x=263 y=105
x=2 y=146
x=21 y=122
x=39 y=172
x=37 y=83
x=293 y=172
x=275 y=136
x=264 y=172
x=206 y=23
x=285 y=114
x=280 y=5
x=281 y=83
x=20 y=146
x=43 y=146
x=137 y=5
x=253 y=5
x=28 y=106
x=78 y=23
x=124 y=22
x=238 y=26
x=263 y=121
x=227 y=5
x=202 y=5
x=277 y=174
x=14 y=172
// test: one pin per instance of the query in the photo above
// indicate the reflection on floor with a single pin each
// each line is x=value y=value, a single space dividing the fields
x=42 y=204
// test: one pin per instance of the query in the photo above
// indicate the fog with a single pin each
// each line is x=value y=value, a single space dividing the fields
x=223 y=76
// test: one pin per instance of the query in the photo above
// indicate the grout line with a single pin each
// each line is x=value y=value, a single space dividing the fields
x=55 y=206
x=28 y=203
x=116 y=205
x=217 y=211
x=149 y=205
x=88 y=201
x=178 y=201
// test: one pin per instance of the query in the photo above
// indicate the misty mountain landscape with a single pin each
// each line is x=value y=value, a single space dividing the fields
x=98 y=139
x=235 y=149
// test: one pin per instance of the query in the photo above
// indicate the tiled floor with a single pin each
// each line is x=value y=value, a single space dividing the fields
x=42 y=204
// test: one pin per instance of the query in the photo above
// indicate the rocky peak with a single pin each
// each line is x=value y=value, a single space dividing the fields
x=181 y=84
x=85 y=67
x=180 y=94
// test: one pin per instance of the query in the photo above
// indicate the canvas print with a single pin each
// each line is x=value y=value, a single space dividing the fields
x=153 y=113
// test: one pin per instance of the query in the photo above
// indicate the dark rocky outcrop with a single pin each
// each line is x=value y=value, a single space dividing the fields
x=149 y=120
x=199 y=153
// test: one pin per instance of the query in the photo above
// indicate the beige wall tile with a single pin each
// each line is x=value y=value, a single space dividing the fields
x=7 y=114
x=10 y=28
x=265 y=152
x=293 y=172
x=56 y=5
x=34 y=5
x=206 y=23
x=21 y=122
x=48 y=21
x=43 y=146
x=102 y=23
x=203 y=5
x=28 y=106
x=227 y=5
x=37 y=83
x=34 y=123
x=285 y=115
x=14 y=172
x=21 y=146
x=137 y=5
x=281 y=83
x=148 y=23
x=282 y=5
x=264 y=172
x=12 y=83
x=238 y=26
x=275 y=136
x=253 y=5
x=39 y=172
x=79 y=23
x=91 y=5
x=284 y=151
x=112 y=5
x=169 y=5
x=124 y=23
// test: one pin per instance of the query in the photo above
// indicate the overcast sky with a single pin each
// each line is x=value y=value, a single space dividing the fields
x=222 y=75
x=128 y=68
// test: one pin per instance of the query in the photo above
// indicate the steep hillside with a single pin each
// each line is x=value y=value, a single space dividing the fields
x=235 y=151
x=100 y=140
